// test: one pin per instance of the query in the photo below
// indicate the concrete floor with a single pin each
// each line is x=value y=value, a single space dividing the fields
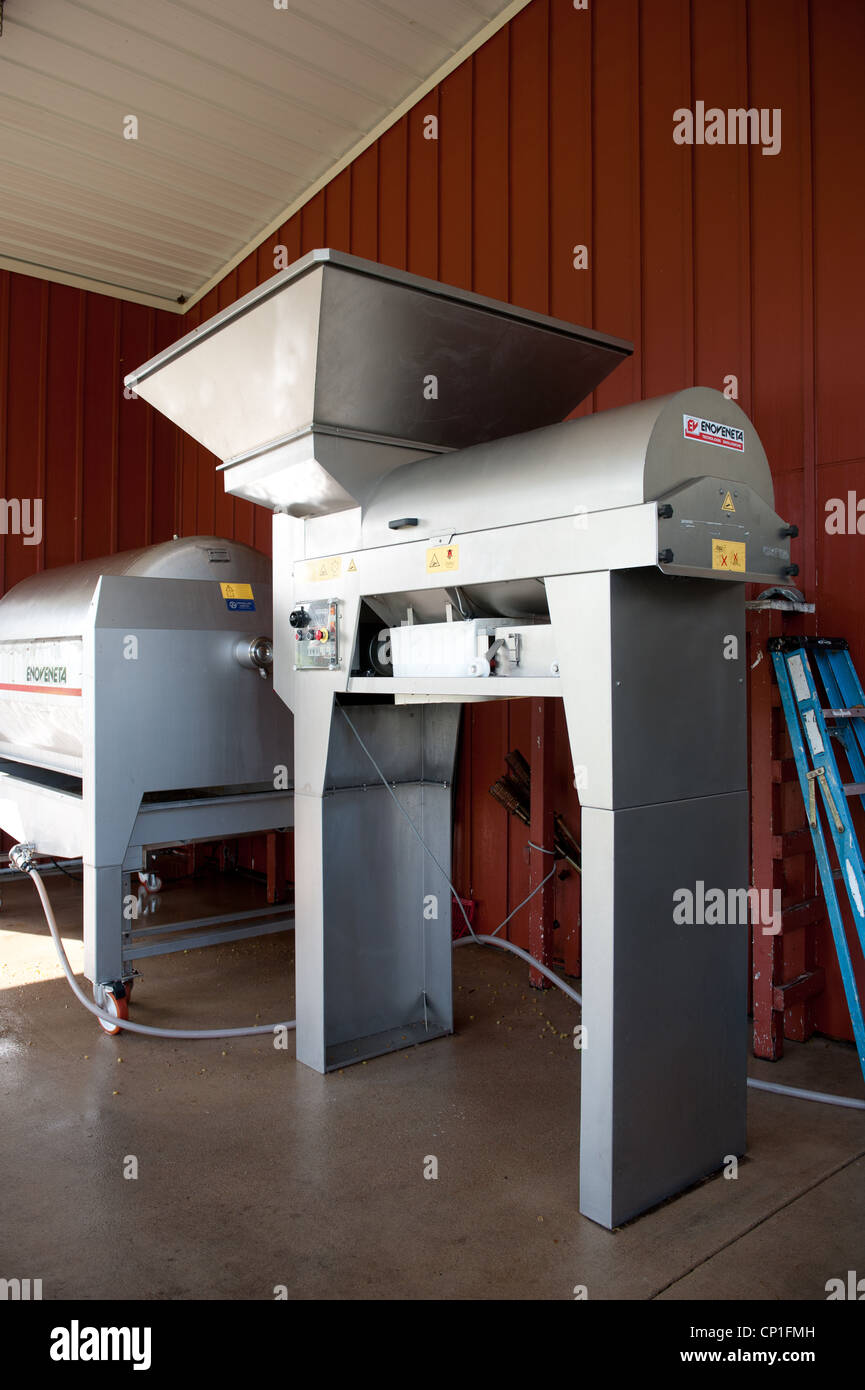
x=254 y=1172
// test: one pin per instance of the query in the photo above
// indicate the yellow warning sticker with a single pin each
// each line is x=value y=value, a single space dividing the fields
x=237 y=591
x=728 y=505
x=729 y=555
x=442 y=557
x=352 y=567
x=329 y=567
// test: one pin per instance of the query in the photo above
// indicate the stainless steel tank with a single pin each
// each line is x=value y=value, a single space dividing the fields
x=43 y=620
x=137 y=710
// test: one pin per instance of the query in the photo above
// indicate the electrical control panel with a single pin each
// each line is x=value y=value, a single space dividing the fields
x=315 y=631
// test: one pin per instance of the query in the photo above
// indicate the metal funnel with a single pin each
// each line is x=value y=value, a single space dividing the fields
x=338 y=370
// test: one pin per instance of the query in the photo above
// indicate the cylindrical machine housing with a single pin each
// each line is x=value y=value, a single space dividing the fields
x=43 y=620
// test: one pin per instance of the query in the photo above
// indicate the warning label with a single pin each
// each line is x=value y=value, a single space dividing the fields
x=729 y=555
x=713 y=432
x=442 y=557
x=239 y=598
x=728 y=504
x=329 y=567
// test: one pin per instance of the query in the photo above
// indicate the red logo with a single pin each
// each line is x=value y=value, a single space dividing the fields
x=692 y=424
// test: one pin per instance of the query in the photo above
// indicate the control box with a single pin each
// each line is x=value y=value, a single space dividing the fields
x=315 y=627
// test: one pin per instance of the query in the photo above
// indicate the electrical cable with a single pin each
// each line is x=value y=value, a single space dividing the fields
x=528 y=898
x=479 y=940
x=76 y=878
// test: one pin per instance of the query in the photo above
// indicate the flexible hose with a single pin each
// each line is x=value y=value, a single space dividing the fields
x=849 y=1102
x=524 y=955
x=189 y=1033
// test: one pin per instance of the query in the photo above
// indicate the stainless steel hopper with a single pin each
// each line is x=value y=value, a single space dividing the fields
x=337 y=370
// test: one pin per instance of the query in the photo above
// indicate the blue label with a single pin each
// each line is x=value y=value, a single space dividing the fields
x=240 y=605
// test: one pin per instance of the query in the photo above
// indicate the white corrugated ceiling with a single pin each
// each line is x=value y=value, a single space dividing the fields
x=243 y=109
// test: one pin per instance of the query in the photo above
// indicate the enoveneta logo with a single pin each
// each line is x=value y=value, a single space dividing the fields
x=46 y=675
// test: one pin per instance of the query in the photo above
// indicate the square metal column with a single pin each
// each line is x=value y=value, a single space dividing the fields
x=656 y=711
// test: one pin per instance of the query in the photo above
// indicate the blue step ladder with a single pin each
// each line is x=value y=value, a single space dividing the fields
x=813 y=727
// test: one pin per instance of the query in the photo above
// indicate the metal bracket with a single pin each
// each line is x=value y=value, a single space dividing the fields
x=22 y=856
x=514 y=647
x=818 y=774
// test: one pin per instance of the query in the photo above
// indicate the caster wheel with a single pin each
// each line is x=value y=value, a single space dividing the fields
x=112 y=1005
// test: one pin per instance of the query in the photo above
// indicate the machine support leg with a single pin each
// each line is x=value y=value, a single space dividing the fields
x=664 y=823
x=103 y=923
x=372 y=909
x=309 y=929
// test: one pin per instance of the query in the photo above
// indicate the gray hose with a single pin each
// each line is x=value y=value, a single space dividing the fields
x=193 y=1033
x=849 y=1101
x=524 y=955
x=189 y=1033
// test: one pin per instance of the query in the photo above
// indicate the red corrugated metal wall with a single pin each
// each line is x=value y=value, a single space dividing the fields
x=714 y=260
x=104 y=465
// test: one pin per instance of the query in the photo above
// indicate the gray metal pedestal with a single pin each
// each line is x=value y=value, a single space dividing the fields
x=373 y=915
x=656 y=716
